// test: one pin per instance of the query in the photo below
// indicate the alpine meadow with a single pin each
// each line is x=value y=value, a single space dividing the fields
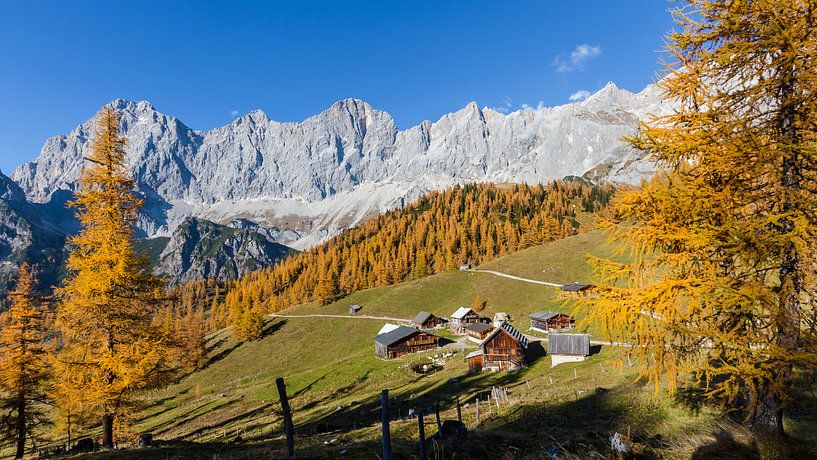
x=604 y=274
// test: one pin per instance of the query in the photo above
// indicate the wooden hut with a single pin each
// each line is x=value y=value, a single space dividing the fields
x=577 y=289
x=504 y=349
x=478 y=331
x=353 y=309
x=402 y=341
x=568 y=348
x=547 y=321
x=462 y=317
x=474 y=361
x=500 y=318
x=426 y=320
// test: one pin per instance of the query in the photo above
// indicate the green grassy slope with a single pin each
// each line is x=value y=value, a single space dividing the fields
x=335 y=380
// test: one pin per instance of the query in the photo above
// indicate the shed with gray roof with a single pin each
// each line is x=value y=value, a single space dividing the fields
x=426 y=320
x=568 y=347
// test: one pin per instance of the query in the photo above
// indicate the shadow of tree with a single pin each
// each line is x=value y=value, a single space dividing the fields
x=726 y=447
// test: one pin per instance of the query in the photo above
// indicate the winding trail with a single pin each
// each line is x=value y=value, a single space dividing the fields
x=546 y=283
x=316 y=315
x=518 y=278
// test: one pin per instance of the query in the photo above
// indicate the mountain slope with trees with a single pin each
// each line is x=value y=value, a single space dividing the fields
x=470 y=224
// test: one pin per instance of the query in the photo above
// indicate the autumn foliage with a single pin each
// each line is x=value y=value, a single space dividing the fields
x=111 y=347
x=472 y=223
x=724 y=240
x=24 y=364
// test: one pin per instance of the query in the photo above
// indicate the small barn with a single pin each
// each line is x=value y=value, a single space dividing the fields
x=474 y=361
x=577 y=289
x=547 y=321
x=426 y=320
x=478 y=331
x=402 y=341
x=568 y=348
x=353 y=309
x=504 y=349
x=500 y=318
x=462 y=317
x=465 y=267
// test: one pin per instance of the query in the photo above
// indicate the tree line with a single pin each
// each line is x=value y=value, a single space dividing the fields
x=473 y=224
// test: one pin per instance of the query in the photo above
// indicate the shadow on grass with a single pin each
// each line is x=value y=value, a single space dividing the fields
x=725 y=446
x=594 y=350
x=270 y=327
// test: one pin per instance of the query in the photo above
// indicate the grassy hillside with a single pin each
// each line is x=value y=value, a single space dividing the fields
x=335 y=380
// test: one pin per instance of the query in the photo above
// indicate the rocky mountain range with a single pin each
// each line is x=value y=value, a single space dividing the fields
x=297 y=183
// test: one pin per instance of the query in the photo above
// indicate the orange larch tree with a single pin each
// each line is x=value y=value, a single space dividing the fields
x=111 y=347
x=24 y=363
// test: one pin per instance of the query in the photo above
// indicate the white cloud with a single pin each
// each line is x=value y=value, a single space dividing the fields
x=506 y=106
x=579 y=95
x=233 y=113
x=580 y=54
x=539 y=106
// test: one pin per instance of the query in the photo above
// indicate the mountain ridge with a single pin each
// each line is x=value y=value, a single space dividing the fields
x=282 y=175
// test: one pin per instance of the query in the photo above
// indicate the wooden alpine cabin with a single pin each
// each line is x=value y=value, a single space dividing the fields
x=502 y=350
x=402 y=341
x=353 y=309
x=547 y=321
x=477 y=332
x=568 y=348
x=577 y=289
x=463 y=317
x=426 y=320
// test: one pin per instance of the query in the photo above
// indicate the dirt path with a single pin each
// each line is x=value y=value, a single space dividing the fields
x=518 y=278
x=545 y=283
x=382 y=318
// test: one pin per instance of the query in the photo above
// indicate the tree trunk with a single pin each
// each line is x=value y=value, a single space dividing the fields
x=107 y=431
x=768 y=417
x=21 y=429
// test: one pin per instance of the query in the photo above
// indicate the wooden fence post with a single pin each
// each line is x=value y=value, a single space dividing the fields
x=422 y=434
x=439 y=423
x=384 y=418
x=459 y=410
x=288 y=427
x=477 y=409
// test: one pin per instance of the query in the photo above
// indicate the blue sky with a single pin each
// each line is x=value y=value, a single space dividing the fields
x=207 y=61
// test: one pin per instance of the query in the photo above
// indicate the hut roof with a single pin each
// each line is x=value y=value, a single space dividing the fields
x=388 y=327
x=479 y=327
x=510 y=330
x=575 y=287
x=569 y=344
x=544 y=315
x=421 y=317
x=355 y=307
x=396 y=335
x=461 y=312
x=473 y=354
x=499 y=317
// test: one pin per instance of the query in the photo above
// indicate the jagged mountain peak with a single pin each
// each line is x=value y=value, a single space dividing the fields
x=283 y=174
x=125 y=105
x=9 y=190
